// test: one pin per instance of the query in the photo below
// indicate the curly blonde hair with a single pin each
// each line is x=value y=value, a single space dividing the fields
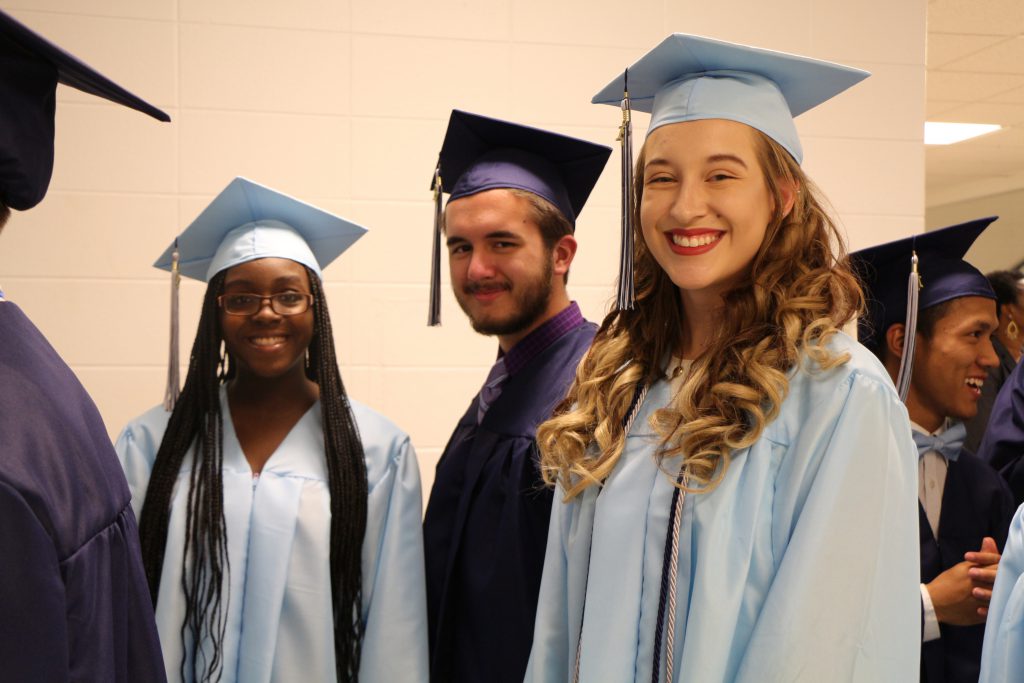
x=798 y=292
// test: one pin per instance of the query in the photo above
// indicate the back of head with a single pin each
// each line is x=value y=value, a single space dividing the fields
x=1007 y=287
x=30 y=68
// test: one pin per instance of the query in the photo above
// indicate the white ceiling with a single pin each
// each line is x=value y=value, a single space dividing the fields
x=976 y=75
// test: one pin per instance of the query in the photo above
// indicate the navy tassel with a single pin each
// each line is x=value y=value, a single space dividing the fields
x=626 y=294
x=434 y=314
x=173 y=379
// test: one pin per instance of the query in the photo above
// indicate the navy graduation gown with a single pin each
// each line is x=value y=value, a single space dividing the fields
x=975 y=503
x=1003 y=444
x=74 y=605
x=486 y=524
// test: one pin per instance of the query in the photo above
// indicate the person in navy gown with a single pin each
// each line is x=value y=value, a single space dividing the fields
x=74 y=605
x=964 y=506
x=515 y=194
x=1007 y=343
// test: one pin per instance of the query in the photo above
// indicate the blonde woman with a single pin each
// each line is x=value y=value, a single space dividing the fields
x=738 y=475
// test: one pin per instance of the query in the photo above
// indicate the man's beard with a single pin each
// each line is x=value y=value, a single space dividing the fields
x=531 y=301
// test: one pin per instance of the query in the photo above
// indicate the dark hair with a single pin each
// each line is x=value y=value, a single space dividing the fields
x=552 y=222
x=1005 y=283
x=197 y=419
x=5 y=213
x=928 y=318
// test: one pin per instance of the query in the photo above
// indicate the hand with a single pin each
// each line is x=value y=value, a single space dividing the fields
x=952 y=594
x=983 y=574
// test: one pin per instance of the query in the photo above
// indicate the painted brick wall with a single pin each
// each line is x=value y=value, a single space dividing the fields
x=343 y=103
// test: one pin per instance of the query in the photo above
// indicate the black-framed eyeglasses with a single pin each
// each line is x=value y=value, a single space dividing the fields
x=285 y=303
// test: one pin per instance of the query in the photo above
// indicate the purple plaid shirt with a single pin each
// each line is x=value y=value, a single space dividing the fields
x=520 y=355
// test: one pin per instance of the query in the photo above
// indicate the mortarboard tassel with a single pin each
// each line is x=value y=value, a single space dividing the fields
x=909 y=331
x=434 y=314
x=627 y=295
x=173 y=379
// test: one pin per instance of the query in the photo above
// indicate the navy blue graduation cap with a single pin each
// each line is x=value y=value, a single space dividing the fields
x=31 y=67
x=481 y=153
x=690 y=78
x=911 y=274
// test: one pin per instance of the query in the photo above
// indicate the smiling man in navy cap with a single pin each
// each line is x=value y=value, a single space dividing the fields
x=965 y=507
x=73 y=598
x=515 y=193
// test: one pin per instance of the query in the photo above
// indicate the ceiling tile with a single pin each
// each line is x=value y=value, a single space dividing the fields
x=938 y=108
x=988 y=17
x=944 y=48
x=984 y=112
x=1005 y=57
x=969 y=87
x=1008 y=137
x=1015 y=96
x=978 y=160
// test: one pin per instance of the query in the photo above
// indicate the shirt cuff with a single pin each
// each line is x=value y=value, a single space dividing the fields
x=931 y=622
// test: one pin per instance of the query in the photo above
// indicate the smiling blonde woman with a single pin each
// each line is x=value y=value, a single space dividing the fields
x=738 y=474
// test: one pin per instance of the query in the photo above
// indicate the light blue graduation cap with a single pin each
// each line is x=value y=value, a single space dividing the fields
x=691 y=78
x=248 y=221
x=245 y=222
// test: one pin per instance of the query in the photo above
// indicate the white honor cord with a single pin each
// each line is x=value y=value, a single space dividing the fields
x=670 y=635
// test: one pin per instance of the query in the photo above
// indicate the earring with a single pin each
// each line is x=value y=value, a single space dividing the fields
x=1012 y=329
x=222 y=364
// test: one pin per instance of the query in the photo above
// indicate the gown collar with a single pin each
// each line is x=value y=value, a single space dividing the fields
x=295 y=455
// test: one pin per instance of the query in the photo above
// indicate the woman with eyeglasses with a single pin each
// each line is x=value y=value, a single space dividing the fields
x=280 y=521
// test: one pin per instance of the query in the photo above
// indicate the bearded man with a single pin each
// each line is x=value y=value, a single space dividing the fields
x=509 y=228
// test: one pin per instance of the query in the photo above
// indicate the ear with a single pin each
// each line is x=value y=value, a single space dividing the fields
x=562 y=255
x=894 y=338
x=788 y=189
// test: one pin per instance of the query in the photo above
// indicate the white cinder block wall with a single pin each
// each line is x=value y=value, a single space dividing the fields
x=343 y=103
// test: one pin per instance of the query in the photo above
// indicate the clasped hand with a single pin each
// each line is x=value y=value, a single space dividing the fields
x=961 y=594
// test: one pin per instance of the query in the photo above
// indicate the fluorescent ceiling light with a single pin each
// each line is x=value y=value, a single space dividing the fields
x=936 y=133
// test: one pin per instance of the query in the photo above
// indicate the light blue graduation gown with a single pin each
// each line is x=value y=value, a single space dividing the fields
x=1002 y=655
x=801 y=566
x=279 y=623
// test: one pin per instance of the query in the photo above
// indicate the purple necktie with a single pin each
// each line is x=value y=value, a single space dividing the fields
x=491 y=389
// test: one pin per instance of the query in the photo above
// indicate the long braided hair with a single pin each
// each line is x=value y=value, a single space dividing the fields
x=197 y=421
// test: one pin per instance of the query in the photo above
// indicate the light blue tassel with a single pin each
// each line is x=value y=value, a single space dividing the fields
x=173 y=378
